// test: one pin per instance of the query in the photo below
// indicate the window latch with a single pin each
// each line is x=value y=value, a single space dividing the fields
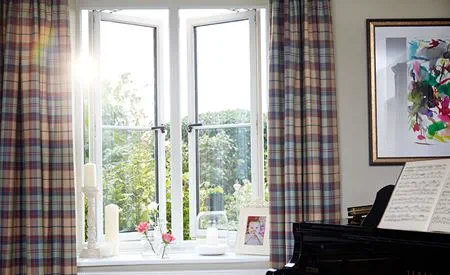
x=190 y=127
x=162 y=128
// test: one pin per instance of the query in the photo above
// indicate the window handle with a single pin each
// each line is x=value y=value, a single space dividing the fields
x=162 y=128
x=190 y=127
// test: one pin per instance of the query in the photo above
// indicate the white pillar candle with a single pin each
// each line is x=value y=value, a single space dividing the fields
x=212 y=236
x=90 y=178
x=112 y=226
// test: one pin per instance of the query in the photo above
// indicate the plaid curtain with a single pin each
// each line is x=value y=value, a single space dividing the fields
x=37 y=207
x=303 y=160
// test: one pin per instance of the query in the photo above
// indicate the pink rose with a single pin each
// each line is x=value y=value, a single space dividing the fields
x=168 y=238
x=142 y=227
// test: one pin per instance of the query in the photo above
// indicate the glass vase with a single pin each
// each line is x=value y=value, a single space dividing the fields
x=158 y=229
x=163 y=250
x=148 y=245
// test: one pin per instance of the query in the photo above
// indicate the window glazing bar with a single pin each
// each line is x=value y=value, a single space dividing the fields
x=222 y=126
x=127 y=128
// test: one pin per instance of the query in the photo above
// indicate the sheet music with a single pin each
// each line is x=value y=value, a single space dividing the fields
x=415 y=196
x=441 y=215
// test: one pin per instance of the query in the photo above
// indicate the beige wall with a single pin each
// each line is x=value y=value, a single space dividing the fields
x=359 y=180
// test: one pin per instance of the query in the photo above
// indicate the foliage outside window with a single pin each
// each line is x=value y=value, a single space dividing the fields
x=129 y=161
x=128 y=173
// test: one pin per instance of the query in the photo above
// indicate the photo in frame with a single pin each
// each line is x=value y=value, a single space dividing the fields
x=409 y=89
x=253 y=231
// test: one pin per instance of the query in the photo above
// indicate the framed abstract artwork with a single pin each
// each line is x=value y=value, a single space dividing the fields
x=409 y=89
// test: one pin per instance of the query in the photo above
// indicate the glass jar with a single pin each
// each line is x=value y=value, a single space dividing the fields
x=212 y=219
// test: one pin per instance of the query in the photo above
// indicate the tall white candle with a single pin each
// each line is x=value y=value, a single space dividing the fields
x=212 y=236
x=112 y=226
x=90 y=178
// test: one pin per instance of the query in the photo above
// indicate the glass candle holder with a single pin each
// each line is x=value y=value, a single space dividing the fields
x=212 y=232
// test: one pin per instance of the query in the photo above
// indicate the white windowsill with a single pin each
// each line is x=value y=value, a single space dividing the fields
x=181 y=255
x=174 y=259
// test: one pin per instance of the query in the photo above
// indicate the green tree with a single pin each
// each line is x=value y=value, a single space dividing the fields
x=128 y=155
x=129 y=166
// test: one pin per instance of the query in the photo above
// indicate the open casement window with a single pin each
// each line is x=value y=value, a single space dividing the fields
x=225 y=117
x=125 y=109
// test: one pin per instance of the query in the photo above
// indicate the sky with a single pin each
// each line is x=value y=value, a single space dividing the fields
x=222 y=59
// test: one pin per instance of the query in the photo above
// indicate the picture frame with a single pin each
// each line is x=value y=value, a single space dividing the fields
x=408 y=89
x=253 y=231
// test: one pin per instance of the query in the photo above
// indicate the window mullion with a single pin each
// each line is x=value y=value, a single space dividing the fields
x=257 y=145
x=175 y=118
x=95 y=113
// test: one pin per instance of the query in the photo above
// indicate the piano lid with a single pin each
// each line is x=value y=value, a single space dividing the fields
x=342 y=228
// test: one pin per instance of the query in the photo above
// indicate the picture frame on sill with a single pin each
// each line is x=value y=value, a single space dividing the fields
x=408 y=89
x=253 y=231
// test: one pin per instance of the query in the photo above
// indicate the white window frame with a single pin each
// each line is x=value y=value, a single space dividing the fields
x=174 y=6
x=95 y=110
x=256 y=128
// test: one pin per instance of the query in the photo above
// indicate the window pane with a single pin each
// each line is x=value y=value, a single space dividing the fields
x=225 y=170
x=223 y=68
x=127 y=74
x=129 y=173
x=128 y=101
x=186 y=15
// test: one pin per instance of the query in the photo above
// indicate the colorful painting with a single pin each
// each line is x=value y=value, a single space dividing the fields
x=429 y=90
x=409 y=89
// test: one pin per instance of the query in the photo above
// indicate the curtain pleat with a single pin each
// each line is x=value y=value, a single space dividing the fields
x=303 y=172
x=37 y=203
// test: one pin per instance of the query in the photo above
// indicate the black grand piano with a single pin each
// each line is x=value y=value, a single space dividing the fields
x=339 y=248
